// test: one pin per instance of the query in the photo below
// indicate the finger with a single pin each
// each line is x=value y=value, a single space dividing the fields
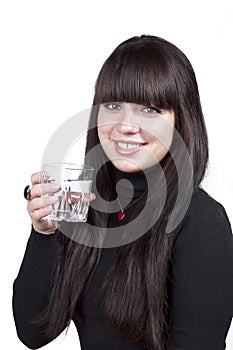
x=38 y=203
x=74 y=197
x=92 y=197
x=39 y=214
x=40 y=189
x=39 y=177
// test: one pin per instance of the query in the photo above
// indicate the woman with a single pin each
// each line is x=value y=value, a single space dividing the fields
x=161 y=280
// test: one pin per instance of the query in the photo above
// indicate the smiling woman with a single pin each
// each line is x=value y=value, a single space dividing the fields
x=160 y=275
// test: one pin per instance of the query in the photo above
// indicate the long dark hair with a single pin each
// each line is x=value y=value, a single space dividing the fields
x=143 y=70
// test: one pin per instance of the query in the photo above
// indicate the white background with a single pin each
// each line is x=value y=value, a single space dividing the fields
x=51 y=52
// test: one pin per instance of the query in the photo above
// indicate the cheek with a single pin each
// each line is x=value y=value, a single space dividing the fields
x=162 y=132
x=104 y=127
x=165 y=138
x=103 y=132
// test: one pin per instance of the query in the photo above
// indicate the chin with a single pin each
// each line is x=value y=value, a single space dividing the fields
x=127 y=166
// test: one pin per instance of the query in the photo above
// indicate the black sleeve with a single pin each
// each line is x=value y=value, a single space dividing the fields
x=30 y=289
x=202 y=279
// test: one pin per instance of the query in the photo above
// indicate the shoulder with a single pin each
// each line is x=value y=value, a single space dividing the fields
x=205 y=219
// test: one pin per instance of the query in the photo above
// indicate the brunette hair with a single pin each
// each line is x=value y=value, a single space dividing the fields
x=151 y=71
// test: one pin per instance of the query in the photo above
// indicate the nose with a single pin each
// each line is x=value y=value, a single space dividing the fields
x=128 y=124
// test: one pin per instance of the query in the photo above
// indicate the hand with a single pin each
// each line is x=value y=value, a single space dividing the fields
x=39 y=207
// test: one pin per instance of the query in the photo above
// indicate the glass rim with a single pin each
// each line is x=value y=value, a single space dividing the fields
x=74 y=166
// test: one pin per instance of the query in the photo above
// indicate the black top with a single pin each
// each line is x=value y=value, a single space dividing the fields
x=201 y=291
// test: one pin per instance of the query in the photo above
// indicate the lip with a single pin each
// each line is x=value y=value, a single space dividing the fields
x=130 y=141
x=127 y=151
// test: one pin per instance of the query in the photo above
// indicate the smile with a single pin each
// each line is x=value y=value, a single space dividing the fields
x=127 y=148
x=128 y=145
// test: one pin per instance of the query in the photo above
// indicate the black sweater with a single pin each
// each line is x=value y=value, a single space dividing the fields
x=201 y=291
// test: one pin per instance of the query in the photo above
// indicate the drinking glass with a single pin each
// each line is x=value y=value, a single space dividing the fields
x=73 y=197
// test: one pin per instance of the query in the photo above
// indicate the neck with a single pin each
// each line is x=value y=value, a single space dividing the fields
x=134 y=184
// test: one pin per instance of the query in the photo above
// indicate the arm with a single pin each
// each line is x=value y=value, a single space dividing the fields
x=202 y=279
x=31 y=287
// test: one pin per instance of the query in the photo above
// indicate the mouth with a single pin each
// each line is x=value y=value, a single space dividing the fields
x=128 y=147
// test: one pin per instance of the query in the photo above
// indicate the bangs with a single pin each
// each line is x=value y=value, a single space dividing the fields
x=137 y=76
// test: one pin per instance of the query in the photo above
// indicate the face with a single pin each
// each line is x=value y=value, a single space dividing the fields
x=135 y=137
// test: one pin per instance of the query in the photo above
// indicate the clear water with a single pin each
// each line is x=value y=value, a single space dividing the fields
x=73 y=202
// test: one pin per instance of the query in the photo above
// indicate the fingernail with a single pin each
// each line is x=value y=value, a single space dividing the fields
x=47 y=211
x=55 y=187
x=45 y=175
x=53 y=199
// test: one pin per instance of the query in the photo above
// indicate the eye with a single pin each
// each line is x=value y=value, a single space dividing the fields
x=113 y=106
x=151 y=110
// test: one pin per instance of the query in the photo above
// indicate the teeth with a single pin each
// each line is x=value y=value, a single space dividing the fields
x=128 y=145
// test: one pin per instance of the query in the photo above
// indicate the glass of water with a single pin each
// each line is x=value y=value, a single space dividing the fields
x=73 y=197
